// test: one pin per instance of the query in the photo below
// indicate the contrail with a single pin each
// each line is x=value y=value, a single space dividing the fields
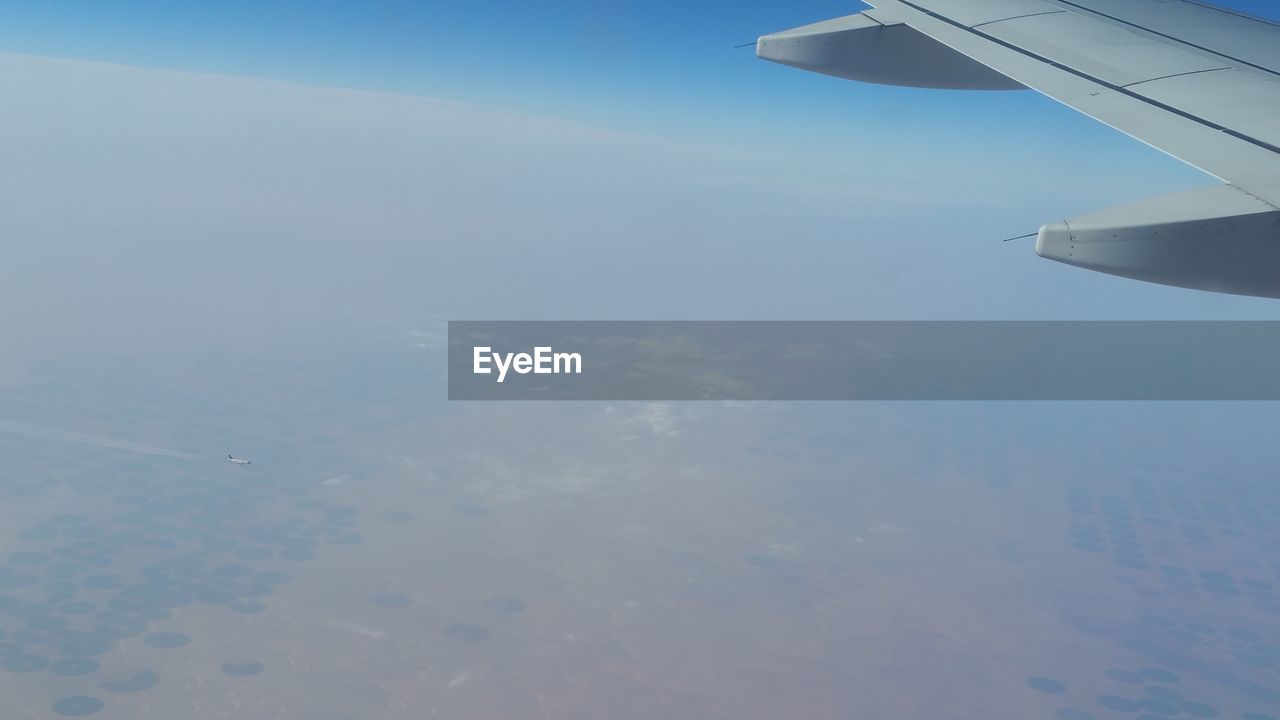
x=37 y=431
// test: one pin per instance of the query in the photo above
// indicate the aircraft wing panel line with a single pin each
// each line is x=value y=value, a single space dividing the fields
x=1019 y=17
x=1237 y=157
x=1094 y=79
x=1183 y=39
x=1174 y=75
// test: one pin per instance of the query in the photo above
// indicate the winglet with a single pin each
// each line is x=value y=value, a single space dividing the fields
x=873 y=47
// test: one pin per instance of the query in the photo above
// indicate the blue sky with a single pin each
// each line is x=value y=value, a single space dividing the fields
x=666 y=65
x=660 y=62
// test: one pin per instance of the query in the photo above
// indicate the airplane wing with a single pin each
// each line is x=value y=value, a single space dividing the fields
x=1199 y=82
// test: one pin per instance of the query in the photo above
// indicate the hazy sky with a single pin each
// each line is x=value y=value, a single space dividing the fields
x=567 y=160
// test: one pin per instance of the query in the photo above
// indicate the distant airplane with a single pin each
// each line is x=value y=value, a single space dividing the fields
x=238 y=461
x=1196 y=81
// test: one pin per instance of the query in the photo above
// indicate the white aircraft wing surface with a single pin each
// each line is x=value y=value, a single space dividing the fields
x=1196 y=81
